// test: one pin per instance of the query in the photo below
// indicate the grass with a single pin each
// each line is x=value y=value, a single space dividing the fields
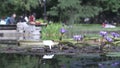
x=87 y=29
x=52 y=31
x=93 y=27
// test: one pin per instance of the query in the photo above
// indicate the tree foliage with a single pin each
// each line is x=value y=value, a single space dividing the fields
x=10 y=6
x=112 y=5
x=73 y=10
x=64 y=10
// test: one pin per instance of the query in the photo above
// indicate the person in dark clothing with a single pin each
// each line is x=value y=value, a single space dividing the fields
x=21 y=19
x=12 y=19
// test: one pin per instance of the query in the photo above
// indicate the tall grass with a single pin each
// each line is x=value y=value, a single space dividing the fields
x=51 y=32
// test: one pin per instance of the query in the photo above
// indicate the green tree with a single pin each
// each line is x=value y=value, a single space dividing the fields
x=111 y=5
x=73 y=10
x=10 y=6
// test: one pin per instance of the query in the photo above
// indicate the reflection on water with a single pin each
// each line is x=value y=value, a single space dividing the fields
x=59 y=61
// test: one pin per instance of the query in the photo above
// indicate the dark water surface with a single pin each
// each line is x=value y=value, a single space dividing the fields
x=58 y=61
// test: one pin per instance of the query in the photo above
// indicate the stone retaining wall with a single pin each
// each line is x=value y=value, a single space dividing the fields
x=22 y=31
x=28 y=32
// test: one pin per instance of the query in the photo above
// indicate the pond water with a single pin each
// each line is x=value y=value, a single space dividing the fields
x=58 y=61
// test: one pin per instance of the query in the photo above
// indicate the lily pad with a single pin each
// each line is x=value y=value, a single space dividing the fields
x=113 y=54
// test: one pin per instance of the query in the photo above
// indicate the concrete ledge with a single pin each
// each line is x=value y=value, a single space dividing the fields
x=8 y=41
x=8 y=27
x=34 y=43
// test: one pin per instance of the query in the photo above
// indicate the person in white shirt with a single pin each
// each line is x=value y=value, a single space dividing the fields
x=26 y=19
x=2 y=22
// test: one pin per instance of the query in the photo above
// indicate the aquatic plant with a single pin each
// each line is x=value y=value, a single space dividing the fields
x=103 y=33
x=108 y=39
x=115 y=35
x=100 y=65
x=77 y=37
x=115 y=63
x=62 y=31
x=105 y=40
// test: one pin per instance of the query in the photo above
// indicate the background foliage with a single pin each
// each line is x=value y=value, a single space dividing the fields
x=68 y=11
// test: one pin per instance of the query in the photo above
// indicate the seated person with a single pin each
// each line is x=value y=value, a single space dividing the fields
x=7 y=20
x=21 y=19
x=32 y=19
x=11 y=20
x=26 y=18
x=2 y=21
